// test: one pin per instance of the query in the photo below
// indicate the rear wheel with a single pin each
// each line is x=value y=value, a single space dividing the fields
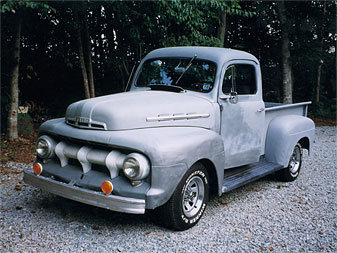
x=189 y=200
x=292 y=171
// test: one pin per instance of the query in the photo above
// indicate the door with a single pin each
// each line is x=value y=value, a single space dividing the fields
x=242 y=113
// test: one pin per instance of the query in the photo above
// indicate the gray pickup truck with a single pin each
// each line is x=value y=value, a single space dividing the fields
x=193 y=122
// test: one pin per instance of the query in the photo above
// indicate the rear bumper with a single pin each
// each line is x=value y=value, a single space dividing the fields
x=99 y=199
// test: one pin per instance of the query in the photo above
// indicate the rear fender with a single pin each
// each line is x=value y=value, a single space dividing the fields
x=282 y=135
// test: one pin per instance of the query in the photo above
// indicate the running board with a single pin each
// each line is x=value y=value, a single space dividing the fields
x=236 y=177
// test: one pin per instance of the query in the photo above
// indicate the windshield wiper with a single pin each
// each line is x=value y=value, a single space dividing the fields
x=187 y=67
x=166 y=87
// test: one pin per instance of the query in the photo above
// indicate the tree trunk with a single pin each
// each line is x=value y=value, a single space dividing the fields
x=140 y=54
x=126 y=68
x=222 y=29
x=109 y=33
x=101 y=51
x=287 y=71
x=81 y=55
x=318 y=85
x=12 y=121
x=122 y=76
x=88 y=57
x=320 y=63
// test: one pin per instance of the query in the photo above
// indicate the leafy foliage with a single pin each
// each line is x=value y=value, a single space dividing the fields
x=123 y=32
x=23 y=5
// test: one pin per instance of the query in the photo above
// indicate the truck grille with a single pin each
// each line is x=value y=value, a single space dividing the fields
x=88 y=157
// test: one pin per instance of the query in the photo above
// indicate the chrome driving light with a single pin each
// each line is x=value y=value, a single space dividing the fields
x=136 y=166
x=45 y=147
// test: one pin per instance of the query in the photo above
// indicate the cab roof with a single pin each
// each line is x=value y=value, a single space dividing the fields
x=215 y=54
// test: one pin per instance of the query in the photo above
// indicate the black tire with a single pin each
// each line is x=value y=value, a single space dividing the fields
x=295 y=162
x=189 y=200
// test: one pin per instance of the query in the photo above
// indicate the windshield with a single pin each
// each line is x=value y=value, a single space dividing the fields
x=187 y=73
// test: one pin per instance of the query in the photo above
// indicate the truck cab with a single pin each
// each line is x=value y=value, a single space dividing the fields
x=194 y=121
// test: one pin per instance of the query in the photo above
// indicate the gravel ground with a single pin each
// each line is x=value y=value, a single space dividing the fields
x=262 y=216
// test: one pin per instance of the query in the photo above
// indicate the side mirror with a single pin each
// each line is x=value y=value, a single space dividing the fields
x=233 y=97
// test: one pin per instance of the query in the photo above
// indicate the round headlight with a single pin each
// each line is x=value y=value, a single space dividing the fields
x=45 y=147
x=131 y=167
x=136 y=166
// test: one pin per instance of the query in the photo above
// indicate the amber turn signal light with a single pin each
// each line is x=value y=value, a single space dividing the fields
x=37 y=168
x=107 y=187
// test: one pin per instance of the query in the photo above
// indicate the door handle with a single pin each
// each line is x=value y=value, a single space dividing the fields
x=225 y=97
x=260 y=110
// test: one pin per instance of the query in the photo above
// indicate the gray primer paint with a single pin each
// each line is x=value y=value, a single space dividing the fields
x=132 y=110
x=282 y=135
x=157 y=124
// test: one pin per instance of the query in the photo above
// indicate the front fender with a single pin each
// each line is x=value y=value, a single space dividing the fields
x=282 y=135
x=177 y=150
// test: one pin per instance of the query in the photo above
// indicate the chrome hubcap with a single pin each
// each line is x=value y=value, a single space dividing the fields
x=193 y=196
x=295 y=161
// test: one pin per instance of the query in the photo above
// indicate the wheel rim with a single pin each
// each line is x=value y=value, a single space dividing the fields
x=295 y=161
x=193 y=196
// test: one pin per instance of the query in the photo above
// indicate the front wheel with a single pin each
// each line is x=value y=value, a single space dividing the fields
x=292 y=171
x=189 y=200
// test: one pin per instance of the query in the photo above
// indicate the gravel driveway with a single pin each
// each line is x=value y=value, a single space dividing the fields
x=262 y=216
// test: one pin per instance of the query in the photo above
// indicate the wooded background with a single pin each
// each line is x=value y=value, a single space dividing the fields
x=56 y=52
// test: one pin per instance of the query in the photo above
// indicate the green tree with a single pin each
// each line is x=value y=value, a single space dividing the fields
x=17 y=10
x=117 y=34
x=199 y=22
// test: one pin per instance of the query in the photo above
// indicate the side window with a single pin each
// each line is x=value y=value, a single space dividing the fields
x=240 y=78
x=228 y=80
x=245 y=79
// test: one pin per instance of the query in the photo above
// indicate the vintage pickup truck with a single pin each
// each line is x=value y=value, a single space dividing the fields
x=193 y=122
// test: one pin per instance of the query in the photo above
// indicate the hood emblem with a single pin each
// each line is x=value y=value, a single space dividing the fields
x=82 y=120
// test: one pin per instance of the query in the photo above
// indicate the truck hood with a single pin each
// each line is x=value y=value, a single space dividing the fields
x=143 y=109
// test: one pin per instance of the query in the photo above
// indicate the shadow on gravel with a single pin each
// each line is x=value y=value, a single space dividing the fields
x=72 y=211
x=68 y=211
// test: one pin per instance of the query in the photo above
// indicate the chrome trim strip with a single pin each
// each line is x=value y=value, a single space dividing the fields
x=99 y=199
x=177 y=117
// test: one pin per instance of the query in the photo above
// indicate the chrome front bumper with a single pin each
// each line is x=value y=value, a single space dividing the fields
x=111 y=202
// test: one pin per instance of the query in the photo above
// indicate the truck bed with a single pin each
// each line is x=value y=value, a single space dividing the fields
x=270 y=106
x=277 y=109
